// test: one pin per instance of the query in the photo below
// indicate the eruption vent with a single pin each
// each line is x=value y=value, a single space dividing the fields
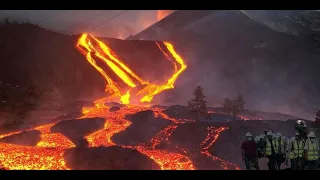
x=95 y=50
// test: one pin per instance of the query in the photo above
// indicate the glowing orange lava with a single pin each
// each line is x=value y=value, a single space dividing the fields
x=94 y=49
x=163 y=13
x=48 y=153
x=212 y=136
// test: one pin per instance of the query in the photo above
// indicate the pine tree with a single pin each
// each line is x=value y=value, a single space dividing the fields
x=198 y=105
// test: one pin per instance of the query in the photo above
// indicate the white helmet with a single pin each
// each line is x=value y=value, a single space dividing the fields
x=278 y=134
x=312 y=135
x=257 y=139
x=248 y=134
x=269 y=133
x=301 y=122
x=297 y=134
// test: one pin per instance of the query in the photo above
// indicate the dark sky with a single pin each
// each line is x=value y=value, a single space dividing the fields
x=130 y=22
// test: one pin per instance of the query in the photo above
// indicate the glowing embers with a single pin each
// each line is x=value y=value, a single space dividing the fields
x=15 y=157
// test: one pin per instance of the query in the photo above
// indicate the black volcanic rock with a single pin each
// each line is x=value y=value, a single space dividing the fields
x=69 y=115
x=26 y=138
x=113 y=109
x=77 y=129
x=228 y=53
x=177 y=111
x=114 y=104
x=59 y=73
x=108 y=158
x=189 y=136
x=294 y=22
x=144 y=127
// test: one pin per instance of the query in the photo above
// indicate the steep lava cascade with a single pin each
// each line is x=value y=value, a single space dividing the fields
x=48 y=153
x=94 y=49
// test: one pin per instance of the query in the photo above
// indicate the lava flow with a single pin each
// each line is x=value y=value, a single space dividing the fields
x=49 y=151
x=115 y=122
x=91 y=47
x=213 y=134
x=47 y=155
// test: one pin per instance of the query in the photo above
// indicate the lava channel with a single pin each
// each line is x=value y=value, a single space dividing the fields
x=213 y=134
x=47 y=155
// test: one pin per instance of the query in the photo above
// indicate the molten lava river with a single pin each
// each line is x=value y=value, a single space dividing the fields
x=49 y=151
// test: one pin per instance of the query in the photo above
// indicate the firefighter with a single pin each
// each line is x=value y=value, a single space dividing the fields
x=249 y=152
x=279 y=150
x=270 y=150
x=297 y=147
x=311 y=151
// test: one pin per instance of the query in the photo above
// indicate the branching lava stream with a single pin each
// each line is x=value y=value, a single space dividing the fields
x=48 y=153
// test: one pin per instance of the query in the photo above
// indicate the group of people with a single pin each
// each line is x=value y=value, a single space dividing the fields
x=302 y=152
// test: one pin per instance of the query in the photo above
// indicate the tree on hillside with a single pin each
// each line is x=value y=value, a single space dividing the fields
x=227 y=106
x=233 y=106
x=198 y=105
x=317 y=119
x=238 y=106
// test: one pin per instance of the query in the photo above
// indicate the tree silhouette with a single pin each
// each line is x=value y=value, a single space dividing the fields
x=233 y=106
x=227 y=106
x=238 y=106
x=198 y=105
x=317 y=119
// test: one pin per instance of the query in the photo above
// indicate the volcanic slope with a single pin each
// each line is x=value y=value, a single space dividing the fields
x=55 y=151
x=50 y=66
x=229 y=53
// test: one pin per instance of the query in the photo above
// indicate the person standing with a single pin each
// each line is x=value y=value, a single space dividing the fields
x=249 y=152
x=279 y=150
x=311 y=151
x=290 y=152
x=270 y=150
x=298 y=148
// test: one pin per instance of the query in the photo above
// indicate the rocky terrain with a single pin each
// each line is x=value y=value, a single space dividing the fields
x=51 y=74
x=199 y=142
x=230 y=53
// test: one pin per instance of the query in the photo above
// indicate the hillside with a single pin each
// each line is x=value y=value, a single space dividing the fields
x=228 y=53
x=44 y=70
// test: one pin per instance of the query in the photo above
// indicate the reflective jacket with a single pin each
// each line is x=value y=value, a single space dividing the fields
x=312 y=150
x=298 y=148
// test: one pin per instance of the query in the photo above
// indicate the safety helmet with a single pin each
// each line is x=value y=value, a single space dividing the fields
x=257 y=139
x=248 y=134
x=269 y=133
x=311 y=135
x=278 y=134
x=297 y=134
x=301 y=122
